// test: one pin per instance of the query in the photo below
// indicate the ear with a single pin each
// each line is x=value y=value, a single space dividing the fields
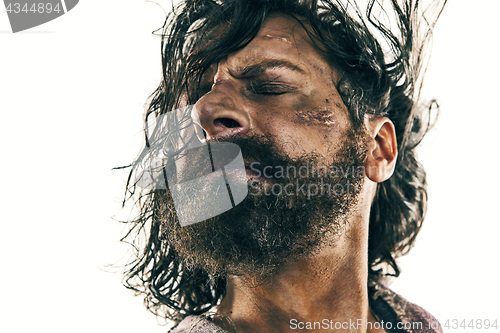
x=382 y=149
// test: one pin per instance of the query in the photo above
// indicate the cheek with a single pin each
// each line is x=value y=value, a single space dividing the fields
x=303 y=123
x=305 y=132
x=320 y=113
x=324 y=119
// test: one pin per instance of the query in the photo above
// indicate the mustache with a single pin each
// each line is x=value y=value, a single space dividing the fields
x=261 y=152
x=258 y=152
x=261 y=155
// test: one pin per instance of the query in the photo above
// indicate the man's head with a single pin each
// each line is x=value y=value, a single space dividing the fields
x=294 y=84
x=277 y=99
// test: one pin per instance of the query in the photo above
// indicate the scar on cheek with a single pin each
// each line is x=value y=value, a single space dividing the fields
x=321 y=118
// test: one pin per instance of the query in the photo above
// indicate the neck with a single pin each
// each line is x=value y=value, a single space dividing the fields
x=327 y=288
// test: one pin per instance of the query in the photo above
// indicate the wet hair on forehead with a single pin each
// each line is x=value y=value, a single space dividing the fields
x=381 y=69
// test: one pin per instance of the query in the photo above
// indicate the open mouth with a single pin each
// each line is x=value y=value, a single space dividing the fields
x=258 y=172
x=209 y=159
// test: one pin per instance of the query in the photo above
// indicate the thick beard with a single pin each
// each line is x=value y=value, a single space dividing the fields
x=265 y=231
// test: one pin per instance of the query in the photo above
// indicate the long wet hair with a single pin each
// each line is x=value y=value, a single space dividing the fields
x=381 y=64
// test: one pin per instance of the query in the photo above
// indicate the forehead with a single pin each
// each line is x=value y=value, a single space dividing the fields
x=283 y=28
x=282 y=37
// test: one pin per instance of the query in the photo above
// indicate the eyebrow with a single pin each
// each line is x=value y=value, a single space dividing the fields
x=261 y=67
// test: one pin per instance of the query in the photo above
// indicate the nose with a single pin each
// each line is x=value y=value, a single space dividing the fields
x=221 y=112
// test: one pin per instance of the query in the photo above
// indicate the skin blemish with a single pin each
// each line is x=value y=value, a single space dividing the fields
x=281 y=39
x=316 y=118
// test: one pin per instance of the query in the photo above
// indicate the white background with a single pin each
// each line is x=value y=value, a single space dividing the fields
x=71 y=106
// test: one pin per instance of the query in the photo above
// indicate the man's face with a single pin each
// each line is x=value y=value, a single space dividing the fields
x=276 y=98
x=279 y=86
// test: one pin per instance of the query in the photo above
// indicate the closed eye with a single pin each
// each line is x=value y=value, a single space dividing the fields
x=268 y=88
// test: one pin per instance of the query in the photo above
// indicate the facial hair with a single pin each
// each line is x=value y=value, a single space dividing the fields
x=272 y=226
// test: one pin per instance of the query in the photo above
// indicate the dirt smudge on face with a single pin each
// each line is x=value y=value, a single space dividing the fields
x=322 y=118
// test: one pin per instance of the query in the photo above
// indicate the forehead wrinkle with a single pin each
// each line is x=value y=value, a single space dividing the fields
x=294 y=34
x=290 y=37
x=279 y=39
